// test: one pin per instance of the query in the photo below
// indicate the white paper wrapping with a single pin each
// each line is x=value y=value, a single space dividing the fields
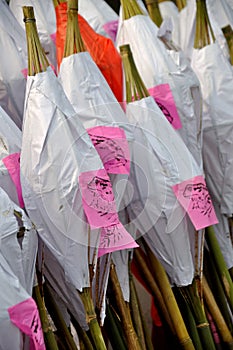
x=19 y=253
x=169 y=10
x=10 y=142
x=54 y=154
x=11 y=293
x=96 y=105
x=158 y=67
x=153 y=207
x=12 y=62
x=215 y=75
x=97 y=13
x=45 y=22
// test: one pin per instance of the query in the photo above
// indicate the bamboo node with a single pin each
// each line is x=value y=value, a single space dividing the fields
x=27 y=20
x=203 y=325
x=90 y=318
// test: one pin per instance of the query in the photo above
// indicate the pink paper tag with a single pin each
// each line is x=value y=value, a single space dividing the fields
x=115 y=238
x=53 y=37
x=194 y=197
x=112 y=146
x=111 y=29
x=98 y=198
x=12 y=163
x=25 y=72
x=26 y=317
x=162 y=95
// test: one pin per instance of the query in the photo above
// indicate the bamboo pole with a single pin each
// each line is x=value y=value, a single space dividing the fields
x=169 y=300
x=181 y=4
x=220 y=264
x=49 y=337
x=217 y=316
x=92 y=322
x=130 y=334
x=130 y=8
x=114 y=329
x=228 y=34
x=135 y=312
x=57 y=318
x=84 y=340
x=154 y=11
x=204 y=33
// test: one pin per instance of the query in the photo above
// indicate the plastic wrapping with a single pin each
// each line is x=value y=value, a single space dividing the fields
x=12 y=63
x=160 y=66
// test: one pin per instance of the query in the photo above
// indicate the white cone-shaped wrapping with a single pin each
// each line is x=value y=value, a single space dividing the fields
x=158 y=67
x=10 y=142
x=216 y=77
x=45 y=22
x=54 y=154
x=12 y=63
x=169 y=10
x=96 y=105
x=11 y=293
x=20 y=253
x=153 y=207
x=97 y=13
x=215 y=74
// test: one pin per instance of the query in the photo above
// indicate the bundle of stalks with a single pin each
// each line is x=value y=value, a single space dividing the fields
x=73 y=43
x=37 y=61
x=181 y=4
x=130 y=9
x=228 y=33
x=154 y=11
x=204 y=34
x=220 y=264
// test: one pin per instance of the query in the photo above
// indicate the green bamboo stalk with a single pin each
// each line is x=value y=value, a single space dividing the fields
x=130 y=8
x=188 y=317
x=220 y=264
x=84 y=340
x=181 y=4
x=228 y=33
x=154 y=11
x=113 y=329
x=153 y=288
x=135 y=312
x=92 y=322
x=202 y=324
x=130 y=334
x=49 y=337
x=73 y=43
x=204 y=32
x=217 y=316
x=217 y=288
x=57 y=318
x=169 y=299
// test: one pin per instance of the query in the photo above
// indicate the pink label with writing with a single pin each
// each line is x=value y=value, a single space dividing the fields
x=98 y=198
x=111 y=29
x=12 y=163
x=53 y=37
x=25 y=316
x=115 y=238
x=163 y=96
x=112 y=146
x=194 y=197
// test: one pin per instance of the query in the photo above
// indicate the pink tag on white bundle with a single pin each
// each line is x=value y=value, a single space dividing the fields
x=162 y=95
x=112 y=146
x=115 y=238
x=111 y=29
x=194 y=197
x=98 y=198
x=12 y=163
x=25 y=316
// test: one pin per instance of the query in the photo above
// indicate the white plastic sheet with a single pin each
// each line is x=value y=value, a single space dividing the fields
x=97 y=13
x=12 y=62
x=158 y=67
x=20 y=253
x=10 y=142
x=54 y=154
